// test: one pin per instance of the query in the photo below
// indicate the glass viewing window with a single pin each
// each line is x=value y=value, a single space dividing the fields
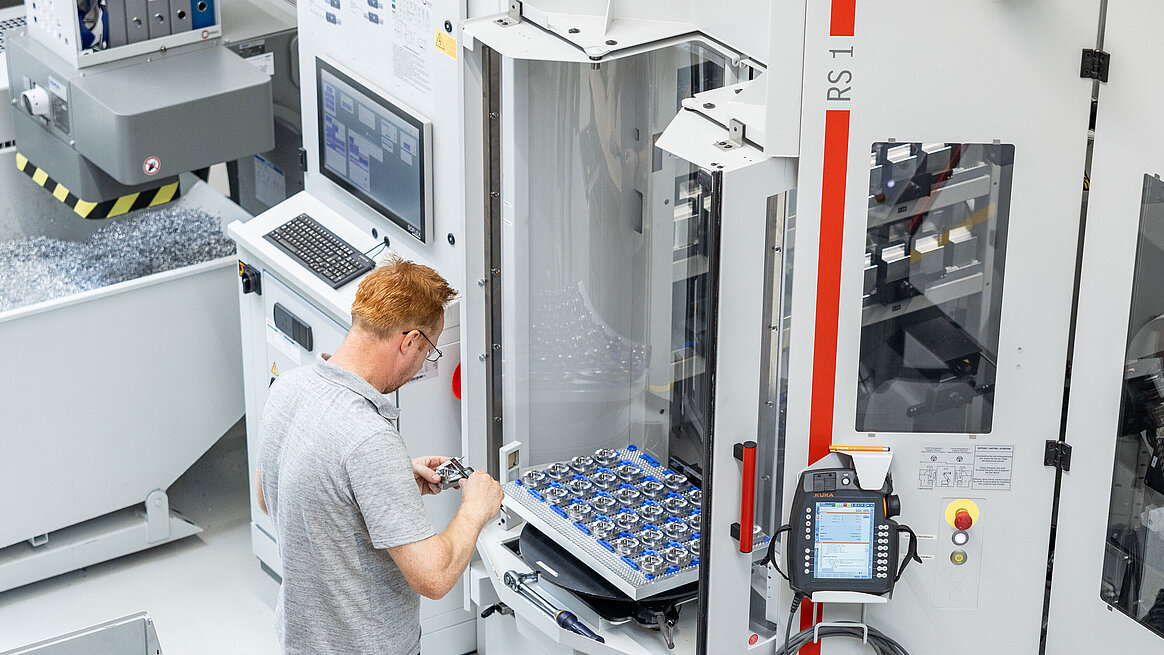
x=935 y=249
x=1133 y=568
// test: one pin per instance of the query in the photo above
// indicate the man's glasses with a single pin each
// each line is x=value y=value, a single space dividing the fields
x=434 y=353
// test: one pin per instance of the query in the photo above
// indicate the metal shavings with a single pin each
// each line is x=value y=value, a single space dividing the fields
x=36 y=269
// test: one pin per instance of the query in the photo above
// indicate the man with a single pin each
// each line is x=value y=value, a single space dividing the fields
x=356 y=545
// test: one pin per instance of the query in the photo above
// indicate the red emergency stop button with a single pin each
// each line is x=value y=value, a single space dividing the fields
x=962 y=520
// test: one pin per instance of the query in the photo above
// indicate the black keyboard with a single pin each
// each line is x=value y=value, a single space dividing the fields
x=331 y=258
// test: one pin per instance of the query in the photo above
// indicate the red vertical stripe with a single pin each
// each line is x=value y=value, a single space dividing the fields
x=828 y=284
x=843 y=17
x=828 y=300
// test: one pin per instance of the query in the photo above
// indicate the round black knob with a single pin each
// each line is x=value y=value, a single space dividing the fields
x=892 y=506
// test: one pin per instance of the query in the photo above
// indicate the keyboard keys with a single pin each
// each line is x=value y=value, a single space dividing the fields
x=329 y=257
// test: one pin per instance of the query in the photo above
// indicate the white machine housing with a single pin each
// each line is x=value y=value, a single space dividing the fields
x=843 y=84
x=408 y=54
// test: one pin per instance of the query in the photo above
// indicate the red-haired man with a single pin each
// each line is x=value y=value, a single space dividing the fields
x=357 y=548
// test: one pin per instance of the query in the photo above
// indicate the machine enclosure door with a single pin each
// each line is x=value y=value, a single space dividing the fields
x=1109 y=555
x=1006 y=347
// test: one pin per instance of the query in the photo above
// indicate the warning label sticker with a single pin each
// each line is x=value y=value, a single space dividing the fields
x=151 y=165
x=965 y=467
x=446 y=43
x=993 y=467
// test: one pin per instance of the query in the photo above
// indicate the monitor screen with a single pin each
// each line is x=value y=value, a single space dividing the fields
x=844 y=540
x=372 y=148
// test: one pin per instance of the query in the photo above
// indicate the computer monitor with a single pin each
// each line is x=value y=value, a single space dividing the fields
x=375 y=149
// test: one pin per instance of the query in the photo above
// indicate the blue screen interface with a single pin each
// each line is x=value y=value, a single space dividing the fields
x=372 y=151
x=844 y=540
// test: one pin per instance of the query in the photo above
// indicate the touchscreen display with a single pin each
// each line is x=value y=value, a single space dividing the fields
x=372 y=149
x=844 y=540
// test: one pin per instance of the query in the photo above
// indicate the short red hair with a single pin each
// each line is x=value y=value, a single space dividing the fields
x=400 y=295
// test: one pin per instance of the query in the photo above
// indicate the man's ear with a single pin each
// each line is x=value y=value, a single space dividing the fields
x=406 y=339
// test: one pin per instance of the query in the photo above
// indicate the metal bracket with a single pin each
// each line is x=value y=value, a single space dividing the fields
x=1058 y=455
x=153 y=646
x=818 y=614
x=512 y=16
x=1095 y=65
x=508 y=519
x=736 y=132
x=840 y=624
x=157 y=516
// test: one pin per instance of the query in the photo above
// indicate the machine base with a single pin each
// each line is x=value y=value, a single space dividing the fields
x=84 y=544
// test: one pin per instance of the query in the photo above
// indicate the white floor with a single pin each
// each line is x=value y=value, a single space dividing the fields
x=206 y=593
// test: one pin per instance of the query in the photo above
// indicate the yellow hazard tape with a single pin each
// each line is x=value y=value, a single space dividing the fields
x=123 y=204
x=105 y=209
x=165 y=194
x=83 y=208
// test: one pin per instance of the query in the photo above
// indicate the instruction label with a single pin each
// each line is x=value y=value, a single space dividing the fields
x=264 y=62
x=270 y=183
x=411 y=49
x=993 y=467
x=965 y=467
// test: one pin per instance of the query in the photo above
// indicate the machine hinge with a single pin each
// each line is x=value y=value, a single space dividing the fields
x=1095 y=65
x=1058 y=455
x=303 y=159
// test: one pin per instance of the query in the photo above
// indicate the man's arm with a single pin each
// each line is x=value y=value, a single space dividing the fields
x=432 y=566
x=259 y=491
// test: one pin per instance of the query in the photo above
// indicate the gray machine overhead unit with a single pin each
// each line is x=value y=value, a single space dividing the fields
x=133 y=125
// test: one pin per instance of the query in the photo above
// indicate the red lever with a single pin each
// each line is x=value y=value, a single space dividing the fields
x=748 y=497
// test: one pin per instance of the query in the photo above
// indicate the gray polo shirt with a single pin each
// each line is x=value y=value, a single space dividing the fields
x=339 y=485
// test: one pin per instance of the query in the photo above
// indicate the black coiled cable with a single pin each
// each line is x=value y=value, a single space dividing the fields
x=878 y=641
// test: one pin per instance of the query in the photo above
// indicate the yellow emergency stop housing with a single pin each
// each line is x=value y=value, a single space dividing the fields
x=961 y=504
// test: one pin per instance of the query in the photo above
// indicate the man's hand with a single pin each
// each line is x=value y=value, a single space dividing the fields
x=481 y=496
x=424 y=470
x=433 y=566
